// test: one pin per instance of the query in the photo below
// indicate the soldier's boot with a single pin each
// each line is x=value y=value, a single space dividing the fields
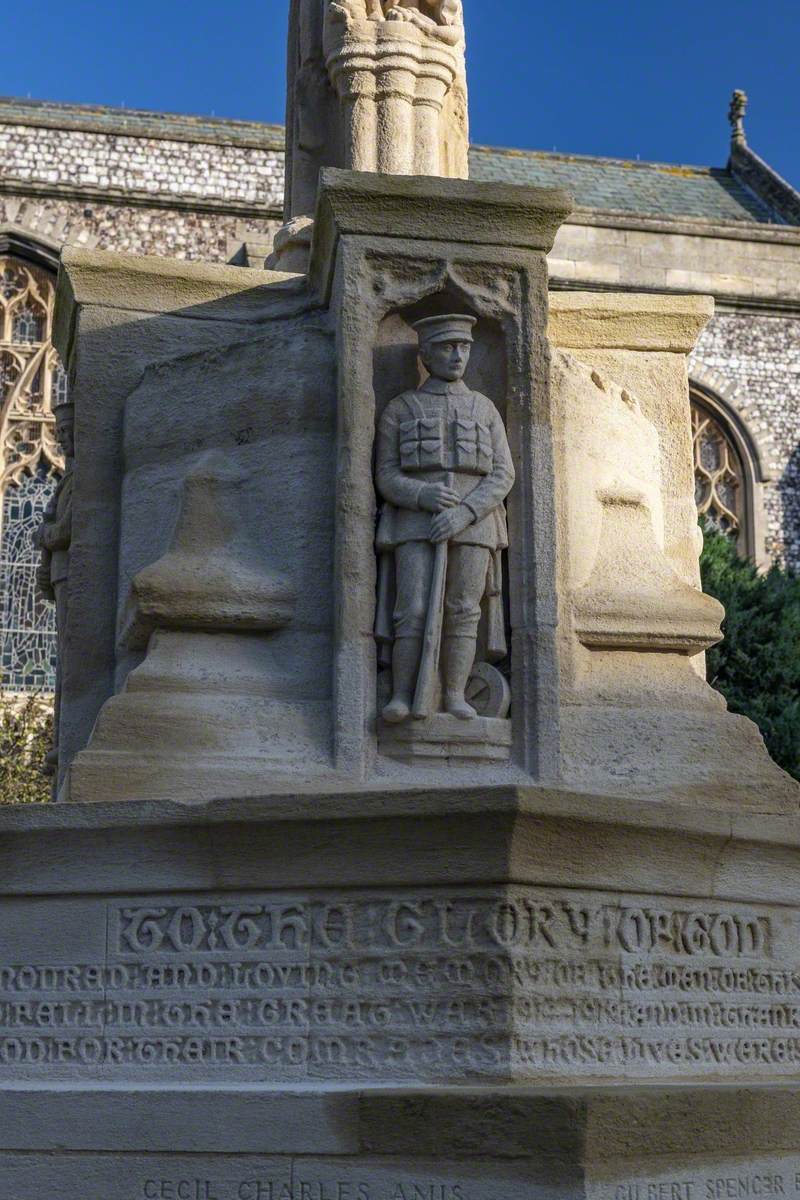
x=458 y=658
x=405 y=661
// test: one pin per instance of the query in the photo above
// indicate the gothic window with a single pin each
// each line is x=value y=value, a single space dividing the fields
x=31 y=378
x=726 y=473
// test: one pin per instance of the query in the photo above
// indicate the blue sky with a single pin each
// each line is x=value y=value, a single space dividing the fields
x=589 y=77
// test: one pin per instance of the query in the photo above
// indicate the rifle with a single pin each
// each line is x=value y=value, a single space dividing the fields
x=424 y=696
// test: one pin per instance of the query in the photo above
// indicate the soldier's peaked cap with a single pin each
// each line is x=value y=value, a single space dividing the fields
x=451 y=327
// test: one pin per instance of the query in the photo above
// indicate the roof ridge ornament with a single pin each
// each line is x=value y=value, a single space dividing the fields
x=736 y=115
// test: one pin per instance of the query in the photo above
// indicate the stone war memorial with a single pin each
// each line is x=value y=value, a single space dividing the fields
x=400 y=850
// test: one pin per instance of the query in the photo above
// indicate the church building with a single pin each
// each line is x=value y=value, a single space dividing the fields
x=208 y=189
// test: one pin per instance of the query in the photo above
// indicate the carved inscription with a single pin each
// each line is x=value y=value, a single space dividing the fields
x=522 y=982
x=771 y=1179
x=265 y=1188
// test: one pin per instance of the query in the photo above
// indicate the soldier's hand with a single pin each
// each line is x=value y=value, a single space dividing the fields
x=436 y=497
x=44 y=585
x=448 y=524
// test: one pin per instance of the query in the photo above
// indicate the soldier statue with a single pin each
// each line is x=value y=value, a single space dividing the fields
x=443 y=470
x=53 y=539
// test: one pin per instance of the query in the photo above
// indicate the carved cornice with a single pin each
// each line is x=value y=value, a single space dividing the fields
x=496 y=214
x=724 y=301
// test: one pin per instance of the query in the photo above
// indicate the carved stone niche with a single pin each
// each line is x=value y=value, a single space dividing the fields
x=384 y=247
x=402 y=396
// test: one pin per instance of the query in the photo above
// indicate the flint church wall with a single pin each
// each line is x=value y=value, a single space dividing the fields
x=758 y=357
x=148 y=229
x=142 y=194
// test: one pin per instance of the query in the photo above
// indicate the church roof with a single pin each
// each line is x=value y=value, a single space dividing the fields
x=640 y=188
x=133 y=122
x=750 y=193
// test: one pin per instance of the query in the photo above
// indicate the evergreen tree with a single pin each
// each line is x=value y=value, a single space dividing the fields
x=26 y=725
x=757 y=666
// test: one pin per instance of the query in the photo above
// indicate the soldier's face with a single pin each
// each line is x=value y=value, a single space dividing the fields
x=65 y=433
x=447 y=360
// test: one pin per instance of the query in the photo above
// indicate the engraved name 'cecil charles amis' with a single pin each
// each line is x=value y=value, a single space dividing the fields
x=443 y=470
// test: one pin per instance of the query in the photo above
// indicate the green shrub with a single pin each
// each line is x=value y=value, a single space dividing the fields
x=757 y=666
x=26 y=729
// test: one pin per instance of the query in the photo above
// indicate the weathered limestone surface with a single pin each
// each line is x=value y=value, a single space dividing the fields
x=306 y=991
x=283 y=427
x=373 y=85
x=606 y=624
x=555 y=959
x=147 y=325
x=635 y=707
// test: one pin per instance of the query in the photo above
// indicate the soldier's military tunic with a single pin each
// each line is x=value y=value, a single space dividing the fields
x=442 y=433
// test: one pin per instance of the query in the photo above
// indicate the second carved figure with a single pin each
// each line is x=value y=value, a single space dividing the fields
x=443 y=470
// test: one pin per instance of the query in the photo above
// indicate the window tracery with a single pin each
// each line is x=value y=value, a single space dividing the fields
x=31 y=378
x=720 y=485
x=28 y=325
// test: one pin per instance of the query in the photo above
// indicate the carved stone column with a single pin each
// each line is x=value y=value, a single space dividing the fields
x=392 y=79
x=373 y=86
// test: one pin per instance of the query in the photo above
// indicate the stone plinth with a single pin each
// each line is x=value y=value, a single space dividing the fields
x=443 y=738
x=471 y=993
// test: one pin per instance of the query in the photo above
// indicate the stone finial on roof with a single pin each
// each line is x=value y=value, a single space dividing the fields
x=736 y=114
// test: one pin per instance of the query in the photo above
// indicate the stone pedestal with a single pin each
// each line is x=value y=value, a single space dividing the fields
x=547 y=953
x=469 y=994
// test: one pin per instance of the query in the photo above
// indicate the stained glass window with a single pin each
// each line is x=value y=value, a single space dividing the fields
x=31 y=378
x=27 y=325
x=59 y=385
x=718 y=475
x=27 y=628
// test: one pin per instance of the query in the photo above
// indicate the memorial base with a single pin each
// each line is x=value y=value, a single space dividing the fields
x=442 y=738
x=441 y=995
x=570 y=1144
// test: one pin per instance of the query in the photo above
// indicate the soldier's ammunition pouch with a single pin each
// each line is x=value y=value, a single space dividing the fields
x=422 y=445
x=473 y=447
x=425 y=446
